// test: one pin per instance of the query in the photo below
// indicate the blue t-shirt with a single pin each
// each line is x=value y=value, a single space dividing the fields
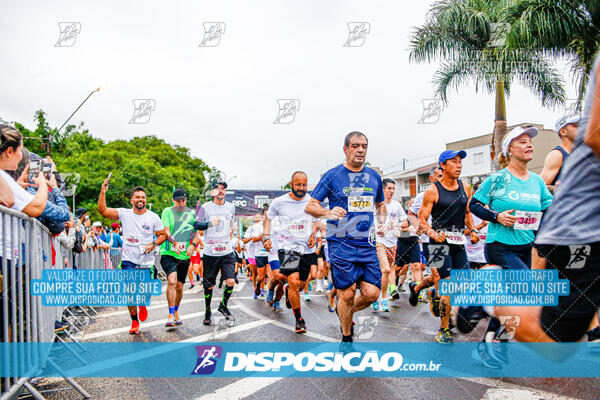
x=503 y=191
x=117 y=241
x=352 y=237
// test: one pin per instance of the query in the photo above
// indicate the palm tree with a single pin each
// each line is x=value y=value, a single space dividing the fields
x=467 y=36
x=560 y=29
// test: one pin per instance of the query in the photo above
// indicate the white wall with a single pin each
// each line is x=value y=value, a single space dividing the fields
x=476 y=163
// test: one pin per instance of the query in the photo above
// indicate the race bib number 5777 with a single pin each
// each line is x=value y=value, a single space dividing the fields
x=361 y=204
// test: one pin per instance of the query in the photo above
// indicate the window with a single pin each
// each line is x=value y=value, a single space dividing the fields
x=478 y=158
x=407 y=184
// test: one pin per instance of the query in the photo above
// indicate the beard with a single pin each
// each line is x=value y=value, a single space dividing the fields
x=140 y=205
x=300 y=193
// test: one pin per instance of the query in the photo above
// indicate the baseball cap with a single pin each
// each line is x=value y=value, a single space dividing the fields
x=566 y=120
x=448 y=154
x=97 y=223
x=515 y=133
x=217 y=183
x=80 y=212
x=179 y=194
x=115 y=225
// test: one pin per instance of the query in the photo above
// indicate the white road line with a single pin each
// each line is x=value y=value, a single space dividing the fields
x=520 y=394
x=239 y=287
x=240 y=389
x=143 y=325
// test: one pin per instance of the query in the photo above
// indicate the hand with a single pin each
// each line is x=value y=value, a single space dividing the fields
x=506 y=219
x=440 y=237
x=268 y=245
x=52 y=182
x=104 y=188
x=190 y=250
x=405 y=226
x=176 y=248
x=380 y=230
x=312 y=241
x=23 y=180
x=148 y=248
x=70 y=223
x=336 y=213
x=474 y=237
x=40 y=180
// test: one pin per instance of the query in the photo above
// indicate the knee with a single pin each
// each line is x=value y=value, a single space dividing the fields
x=230 y=282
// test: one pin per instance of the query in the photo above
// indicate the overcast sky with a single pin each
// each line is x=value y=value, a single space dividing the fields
x=221 y=101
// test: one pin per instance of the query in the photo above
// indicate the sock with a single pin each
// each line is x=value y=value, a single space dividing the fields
x=392 y=287
x=176 y=308
x=207 y=298
x=226 y=294
x=171 y=310
x=134 y=317
x=297 y=314
x=347 y=338
x=271 y=292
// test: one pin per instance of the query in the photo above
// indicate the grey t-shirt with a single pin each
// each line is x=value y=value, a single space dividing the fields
x=574 y=216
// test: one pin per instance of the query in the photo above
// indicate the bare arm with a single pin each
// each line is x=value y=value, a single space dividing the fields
x=552 y=165
x=110 y=213
x=429 y=199
x=592 y=135
x=36 y=207
x=7 y=198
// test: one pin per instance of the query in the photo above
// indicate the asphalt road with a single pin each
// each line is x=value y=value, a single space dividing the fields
x=255 y=322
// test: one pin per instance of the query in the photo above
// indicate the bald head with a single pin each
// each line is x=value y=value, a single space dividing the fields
x=299 y=184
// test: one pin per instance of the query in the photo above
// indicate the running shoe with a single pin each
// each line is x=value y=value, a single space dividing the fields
x=434 y=303
x=192 y=284
x=422 y=297
x=331 y=303
x=319 y=286
x=413 y=298
x=467 y=318
x=444 y=336
x=225 y=311
x=499 y=351
x=143 y=313
x=207 y=319
x=482 y=354
x=394 y=294
x=135 y=327
x=306 y=296
x=385 y=306
x=262 y=293
x=300 y=326
x=594 y=337
x=287 y=298
x=276 y=306
x=270 y=296
x=170 y=321
x=375 y=305
x=177 y=319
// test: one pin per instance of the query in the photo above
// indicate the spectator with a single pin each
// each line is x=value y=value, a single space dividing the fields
x=7 y=199
x=94 y=239
x=117 y=241
x=67 y=237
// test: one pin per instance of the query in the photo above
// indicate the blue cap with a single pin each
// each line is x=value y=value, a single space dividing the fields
x=448 y=154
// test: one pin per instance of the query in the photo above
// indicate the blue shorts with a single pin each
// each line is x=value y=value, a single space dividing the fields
x=130 y=265
x=275 y=265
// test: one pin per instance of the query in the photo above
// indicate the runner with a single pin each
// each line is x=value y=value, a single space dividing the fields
x=354 y=192
x=446 y=201
x=251 y=248
x=139 y=227
x=218 y=253
x=476 y=252
x=298 y=238
x=566 y=129
x=408 y=255
x=277 y=280
x=386 y=242
x=568 y=238
x=176 y=250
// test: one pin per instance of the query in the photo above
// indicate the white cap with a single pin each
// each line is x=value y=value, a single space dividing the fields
x=515 y=133
x=97 y=223
x=566 y=120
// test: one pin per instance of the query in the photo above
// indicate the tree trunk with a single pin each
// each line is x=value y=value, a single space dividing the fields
x=499 y=126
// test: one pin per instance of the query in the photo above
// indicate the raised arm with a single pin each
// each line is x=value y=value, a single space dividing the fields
x=110 y=213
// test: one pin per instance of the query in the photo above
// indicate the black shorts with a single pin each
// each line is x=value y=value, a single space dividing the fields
x=407 y=251
x=446 y=257
x=580 y=264
x=321 y=254
x=171 y=264
x=306 y=261
x=214 y=264
x=425 y=250
x=262 y=261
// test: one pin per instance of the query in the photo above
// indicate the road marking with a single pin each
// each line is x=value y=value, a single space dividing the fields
x=152 y=307
x=240 y=389
x=520 y=394
x=143 y=325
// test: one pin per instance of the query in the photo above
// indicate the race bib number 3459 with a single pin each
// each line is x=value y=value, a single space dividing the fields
x=361 y=204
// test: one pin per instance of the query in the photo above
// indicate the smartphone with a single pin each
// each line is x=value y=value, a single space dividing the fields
x=34 y=169
x=47 y=170
x=109 y=176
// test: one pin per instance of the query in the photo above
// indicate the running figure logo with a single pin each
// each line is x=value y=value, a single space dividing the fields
x=358 y=180
x=366 y=325
x=357 y=33
x=437 y=255
x=142 y=110
x=499 y=181
x=212 y=34
x=509 y=326
x=579 y=255
x=207 y=359
x=287 y=111
x=68 y=34
x=432 y=109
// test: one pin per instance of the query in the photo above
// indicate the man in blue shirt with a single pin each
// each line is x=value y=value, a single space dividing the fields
x=354 y=193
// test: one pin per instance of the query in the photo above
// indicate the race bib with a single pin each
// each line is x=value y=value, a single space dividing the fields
x=361 y=204
x=527 y=220
x=132 y=240
x=180 y=246
x=219 y=249
x=455 y=238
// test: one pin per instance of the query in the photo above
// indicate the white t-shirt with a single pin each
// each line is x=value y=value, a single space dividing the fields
x=416 y=206
x=475 y=252
x=395 y=214
x=22 y=199
x=217 y=239
x=250 y=252
x=138 y=231
x=296 y=224
x=259 y=249
x=275 y=239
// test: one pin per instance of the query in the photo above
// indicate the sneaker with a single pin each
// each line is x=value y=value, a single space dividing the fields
x=225 y=311
x=192 y=285
x=207 y=319
x=276 y=306
x=384 y=305
x=319 y=286
x=270 y=296
x=467 y=318
x=594 y=337
x=135 y=327
x=444 y=336
x=482 y=354
x=170 y=321
x=306 y=296
x=262 y=293
x=300 y=326
x=401 y=289
x=375 y=305
x=143 y=313
x=287 y=298
x=255 y=295
x=177 y=319
x=434 y=303
x=423 y=297
x=413 y=298
x=331 y=303
x=499 y=351
x=395 y=295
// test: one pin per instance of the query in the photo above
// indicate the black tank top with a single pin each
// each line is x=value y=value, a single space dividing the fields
x=565 y=155
x=450 y=210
